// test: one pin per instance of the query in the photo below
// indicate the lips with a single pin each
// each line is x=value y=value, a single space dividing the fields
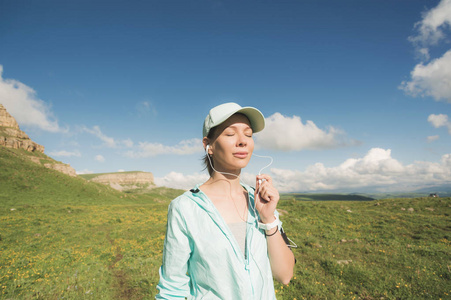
x=240 y=154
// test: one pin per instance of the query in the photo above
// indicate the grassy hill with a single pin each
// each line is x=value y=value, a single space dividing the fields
x=385 y=249
x=24 y=182
x=63 y=237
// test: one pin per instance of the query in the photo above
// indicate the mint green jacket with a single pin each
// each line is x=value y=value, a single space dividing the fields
x=202 y=259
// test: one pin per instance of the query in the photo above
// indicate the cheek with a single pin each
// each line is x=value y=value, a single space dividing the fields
x=224 y=145
x=251 y=145
x=228 y=144
x=222 y=148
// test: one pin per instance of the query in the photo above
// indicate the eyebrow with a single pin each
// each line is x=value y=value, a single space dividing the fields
x=233 y=126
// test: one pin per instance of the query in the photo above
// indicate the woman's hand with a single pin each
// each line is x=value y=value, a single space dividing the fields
x=266 y=198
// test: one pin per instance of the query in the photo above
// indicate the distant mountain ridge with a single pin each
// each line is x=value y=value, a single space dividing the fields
x=327 y=197
x=443 y=190
x=440 y=190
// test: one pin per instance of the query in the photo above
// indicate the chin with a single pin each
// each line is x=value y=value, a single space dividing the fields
x=243 y=165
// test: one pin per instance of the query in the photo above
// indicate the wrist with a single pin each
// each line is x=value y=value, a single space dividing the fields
x=268 y=225
x=272 y=232
x=267 y=220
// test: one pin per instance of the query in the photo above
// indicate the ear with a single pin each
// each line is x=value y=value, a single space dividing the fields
x=207 y=146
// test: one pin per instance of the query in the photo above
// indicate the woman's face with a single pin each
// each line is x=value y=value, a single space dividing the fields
x=232 y=149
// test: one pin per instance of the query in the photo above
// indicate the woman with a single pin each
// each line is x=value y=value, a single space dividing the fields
x=219 y=244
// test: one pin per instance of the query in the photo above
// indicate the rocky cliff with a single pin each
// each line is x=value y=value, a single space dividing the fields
x=124 y=180
x=12 y=137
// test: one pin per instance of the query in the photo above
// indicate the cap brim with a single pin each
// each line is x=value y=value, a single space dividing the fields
x=255 y=117
x=221 y=113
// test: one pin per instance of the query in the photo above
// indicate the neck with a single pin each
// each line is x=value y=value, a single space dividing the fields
x=225 y=181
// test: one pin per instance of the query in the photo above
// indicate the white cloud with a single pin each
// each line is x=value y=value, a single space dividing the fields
x=145 y=108
x=128 y=143
x=289 y=133
x=64 y=153
x=100 y=158
x=22 y=103
x=440 y=120
x=430 y=28
x=432 y=138
x=146 y=149
x=108 y=141
x=432 y=79
x=181 y=181
x=424 y=53
x=376 y=169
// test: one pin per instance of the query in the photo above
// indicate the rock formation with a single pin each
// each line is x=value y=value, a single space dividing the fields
x=12 y=137
x=126 y=180
x=63 y=168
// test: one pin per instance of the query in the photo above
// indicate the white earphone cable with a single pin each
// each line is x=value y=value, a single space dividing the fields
x=293 y=245
x=264 y=156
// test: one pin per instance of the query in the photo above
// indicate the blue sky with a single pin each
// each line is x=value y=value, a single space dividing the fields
x=357 y=94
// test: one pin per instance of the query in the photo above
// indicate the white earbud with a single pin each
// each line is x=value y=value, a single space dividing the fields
x=206 y=148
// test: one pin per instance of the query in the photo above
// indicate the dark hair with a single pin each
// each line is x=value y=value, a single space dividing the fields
x=208 y=162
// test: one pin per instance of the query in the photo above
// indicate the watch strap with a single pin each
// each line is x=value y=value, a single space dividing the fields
x=269 y=226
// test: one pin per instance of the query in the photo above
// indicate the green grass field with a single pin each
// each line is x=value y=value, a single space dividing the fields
x=66 y=238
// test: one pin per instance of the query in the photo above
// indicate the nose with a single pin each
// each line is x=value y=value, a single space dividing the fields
x=242 y=142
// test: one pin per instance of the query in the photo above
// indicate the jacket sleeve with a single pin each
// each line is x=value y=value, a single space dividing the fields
x=174 y=281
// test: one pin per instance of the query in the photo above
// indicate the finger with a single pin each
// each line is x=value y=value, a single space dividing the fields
x=258 y=182
x=265 y=177
x=257 y=197
x=264 y=195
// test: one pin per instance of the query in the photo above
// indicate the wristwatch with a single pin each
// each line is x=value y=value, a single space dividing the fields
x=269 y=226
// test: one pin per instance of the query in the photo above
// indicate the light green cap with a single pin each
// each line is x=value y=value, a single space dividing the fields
x=220 y=113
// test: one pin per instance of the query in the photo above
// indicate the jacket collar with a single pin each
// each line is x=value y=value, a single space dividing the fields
x=203 y=201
